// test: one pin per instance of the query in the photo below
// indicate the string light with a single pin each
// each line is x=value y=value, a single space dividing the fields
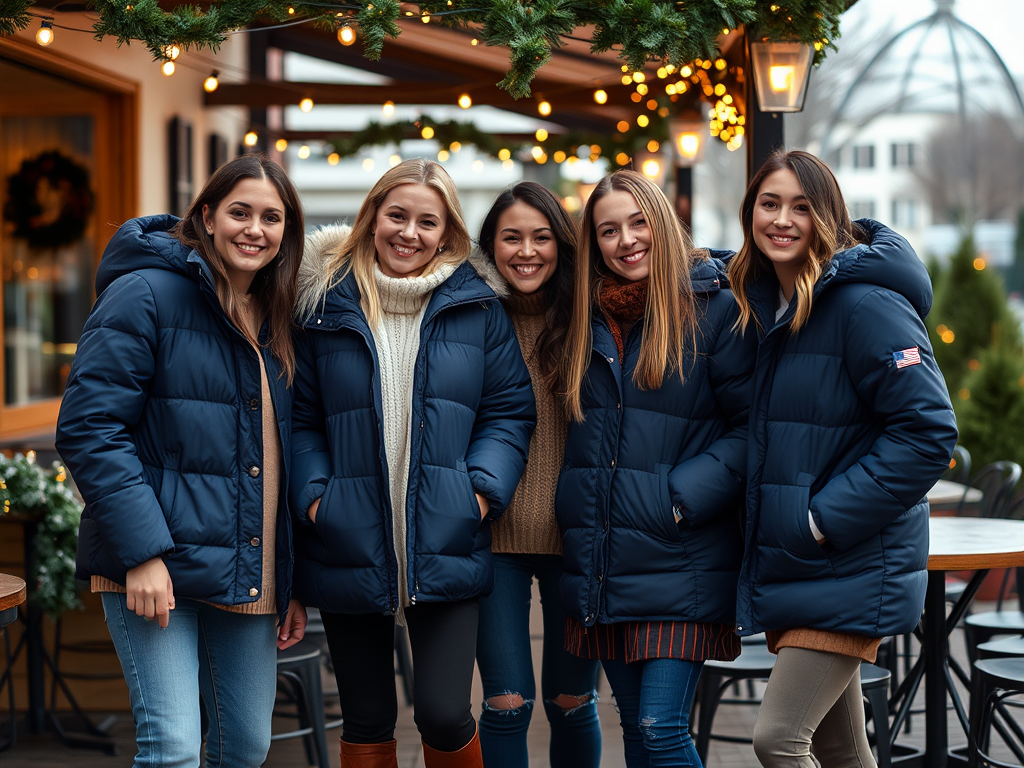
x=504 y=154
x=454 y=147
x=303 y=152
x=306 y=105
x=643 y=121
x=388 y=109
x=601 y=96
x=281 y=145
x=559 y=156
x=44 y=35
x=333 y=159
x=171 y=52
x=167 y=68
x=465 y=101
x=443 y=155
x=541 y=134
x=427 y=132
x=368 y=164
x=544 y=108
x=394 y=160
x=250 y=139
x=346 y=35
x=211 y=83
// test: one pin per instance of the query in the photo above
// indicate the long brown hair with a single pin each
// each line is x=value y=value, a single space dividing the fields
x=833 y=232
x=357 y=253
x=558 y=289
x=273 y=287
x=670 y=316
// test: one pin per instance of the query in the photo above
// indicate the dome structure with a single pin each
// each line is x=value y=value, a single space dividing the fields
x=938 y=65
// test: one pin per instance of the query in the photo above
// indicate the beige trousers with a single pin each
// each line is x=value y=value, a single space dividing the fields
x=813 y=706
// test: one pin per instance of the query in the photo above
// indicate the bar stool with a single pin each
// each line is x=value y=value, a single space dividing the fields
x=874 y=685
x=1004 y=648
x=299 y=668
x=992 y=681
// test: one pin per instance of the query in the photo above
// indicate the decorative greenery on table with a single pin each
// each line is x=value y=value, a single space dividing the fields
x=27 y=488
x=640 y=30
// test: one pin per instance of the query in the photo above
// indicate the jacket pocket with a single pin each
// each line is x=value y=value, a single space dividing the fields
x=168 y=495
x=666 y=520
x=322 y=511
x=474 y=505
x=783 y=522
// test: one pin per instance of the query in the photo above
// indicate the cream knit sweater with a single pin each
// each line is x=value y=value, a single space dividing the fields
x=403 y=301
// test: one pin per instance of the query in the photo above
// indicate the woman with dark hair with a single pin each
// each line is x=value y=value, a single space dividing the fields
x=850 y=426
x=531 y=241
x=413 y=414
x=175 y=427
x=657 y=390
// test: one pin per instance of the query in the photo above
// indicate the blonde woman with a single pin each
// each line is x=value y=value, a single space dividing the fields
x=412 y=422
x=850 y=427
x=650 y=493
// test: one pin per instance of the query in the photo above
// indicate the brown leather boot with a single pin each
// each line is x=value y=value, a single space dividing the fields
x=467 y=757
x=369 y=755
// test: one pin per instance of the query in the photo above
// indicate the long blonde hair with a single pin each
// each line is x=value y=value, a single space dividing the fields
x=670 y=315
x=832 y=232
x=357 y=253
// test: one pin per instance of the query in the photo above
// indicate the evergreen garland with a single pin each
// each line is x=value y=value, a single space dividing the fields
x=640 y=30
x=27 y=488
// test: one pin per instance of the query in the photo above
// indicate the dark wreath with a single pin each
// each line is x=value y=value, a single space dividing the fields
x=49 y=200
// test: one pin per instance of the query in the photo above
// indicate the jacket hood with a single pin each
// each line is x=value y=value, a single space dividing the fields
x=315 y=282
x=887 y=261
x=144 y=243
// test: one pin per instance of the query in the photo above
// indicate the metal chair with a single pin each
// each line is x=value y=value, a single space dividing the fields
x=298 y=668
x=992 y=682
x=996 y=481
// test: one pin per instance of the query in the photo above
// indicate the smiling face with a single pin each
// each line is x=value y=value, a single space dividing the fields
x=782 y=226
x=525 y=248
x=408 y=228
x=622 y=235
x=247 y=227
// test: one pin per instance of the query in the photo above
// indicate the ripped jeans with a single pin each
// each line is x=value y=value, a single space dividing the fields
x=654 y=698
x=568 y=683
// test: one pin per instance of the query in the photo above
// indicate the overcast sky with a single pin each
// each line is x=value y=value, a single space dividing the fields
x=1001 y=21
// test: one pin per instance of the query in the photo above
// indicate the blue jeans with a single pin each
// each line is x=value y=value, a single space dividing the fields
x=227 y=659
x=506 y=669
x=654 y=698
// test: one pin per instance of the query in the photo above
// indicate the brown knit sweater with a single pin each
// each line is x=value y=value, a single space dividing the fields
x=528 y=525
x=858 y=646
x=267 y=602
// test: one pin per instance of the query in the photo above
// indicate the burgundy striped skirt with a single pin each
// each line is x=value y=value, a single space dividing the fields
x=640 y=640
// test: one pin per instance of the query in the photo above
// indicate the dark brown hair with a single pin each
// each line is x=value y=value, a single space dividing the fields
x=273 y=287
x=558 y=289
x=833 y=232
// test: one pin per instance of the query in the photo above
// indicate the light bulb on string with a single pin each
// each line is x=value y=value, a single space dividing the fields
x=465 y=101
x=251 y=138
x=167 y=68
x=281 y=145
x=171 y=52
x=306 y=105
x=346 y=35
x=211 y=83
x=544 y=108
x=44 y=35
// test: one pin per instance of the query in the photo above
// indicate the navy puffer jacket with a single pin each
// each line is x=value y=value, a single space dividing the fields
x=472 y=416
x=840 y=428
x=640 y=452
x=159 y=429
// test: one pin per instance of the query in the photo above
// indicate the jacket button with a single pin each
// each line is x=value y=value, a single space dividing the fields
x=611 y=359
x=254 y=404
x=318 y=321
x=613 y=462
x=255 y=541
x=590 y=618
x=253 y=592
x=254 y=471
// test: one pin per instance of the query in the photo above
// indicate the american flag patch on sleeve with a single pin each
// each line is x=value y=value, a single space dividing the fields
x=906 y=357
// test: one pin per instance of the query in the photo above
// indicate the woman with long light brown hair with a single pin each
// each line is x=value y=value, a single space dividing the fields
x=413 y=413
x=657 y=390
x=850 y=427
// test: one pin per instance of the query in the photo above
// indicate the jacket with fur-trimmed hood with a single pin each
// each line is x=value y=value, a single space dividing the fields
x=472 y=416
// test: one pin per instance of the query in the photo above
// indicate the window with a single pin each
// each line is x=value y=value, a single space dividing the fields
x=862 y=209
x=905 y=213
x=864 y=156
x=903 y=155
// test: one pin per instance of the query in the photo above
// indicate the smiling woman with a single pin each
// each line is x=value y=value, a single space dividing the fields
x=412 y=421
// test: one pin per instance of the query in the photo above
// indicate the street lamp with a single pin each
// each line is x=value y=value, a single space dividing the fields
x=689 y=132
x=781 y=72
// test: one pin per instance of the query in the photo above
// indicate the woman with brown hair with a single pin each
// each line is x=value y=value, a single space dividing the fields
x=413 y=413
x=649 y=499
x=175 y=427
x=850 y=426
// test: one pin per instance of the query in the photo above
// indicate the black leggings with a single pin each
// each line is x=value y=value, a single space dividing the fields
x=443 y=640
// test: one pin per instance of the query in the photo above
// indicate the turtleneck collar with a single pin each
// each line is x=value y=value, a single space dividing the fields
x=527 y=303
x=407 y=295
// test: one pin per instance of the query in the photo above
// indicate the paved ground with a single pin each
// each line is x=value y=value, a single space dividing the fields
x=43 y=751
